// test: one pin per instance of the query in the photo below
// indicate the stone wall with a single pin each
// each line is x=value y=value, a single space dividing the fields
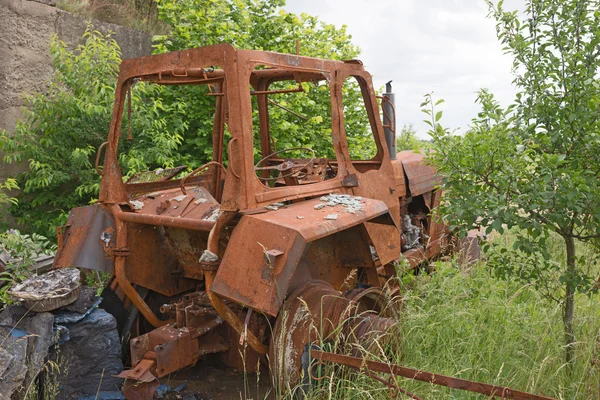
x=26 y=28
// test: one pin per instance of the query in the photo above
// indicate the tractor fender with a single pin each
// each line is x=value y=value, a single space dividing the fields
x=265 y=249
x=422 y=178
x=89 y=238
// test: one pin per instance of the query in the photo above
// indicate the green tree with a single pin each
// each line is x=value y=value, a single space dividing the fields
x=263 y=25
x=250 y=24
x=8 y=185
x=407 y=139
x=62 y=129
x=535 y=166
x=22 y=252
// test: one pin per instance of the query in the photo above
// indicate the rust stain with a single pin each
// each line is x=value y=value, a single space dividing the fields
x=228 y=249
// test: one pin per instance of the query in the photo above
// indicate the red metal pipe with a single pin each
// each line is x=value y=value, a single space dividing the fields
x=225 y=312
x=437 y=379
x=121 y=274
x=174 y=222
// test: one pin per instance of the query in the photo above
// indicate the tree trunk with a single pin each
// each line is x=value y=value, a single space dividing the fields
x=569 y=305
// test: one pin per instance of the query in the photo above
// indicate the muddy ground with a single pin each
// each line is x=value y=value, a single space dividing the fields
x=207 y=381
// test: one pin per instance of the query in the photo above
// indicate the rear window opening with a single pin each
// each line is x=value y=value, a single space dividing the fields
x=292 y=127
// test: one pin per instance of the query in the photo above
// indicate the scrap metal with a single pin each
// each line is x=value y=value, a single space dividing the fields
x=191 y=256
x=361 y=364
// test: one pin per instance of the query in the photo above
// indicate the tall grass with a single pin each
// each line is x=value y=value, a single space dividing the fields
x=471 y=325
x=468 y=324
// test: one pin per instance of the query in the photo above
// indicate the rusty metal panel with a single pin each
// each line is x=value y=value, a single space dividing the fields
x=399 y=178
x=174 y=203
x=311 y=218
x=152 y=264
x=246 y=275
x=187 y=246
x=256 y=270
x=385 y=238
x=418 y=255
x=421 y=177
x=88 y=240
x=342 y=260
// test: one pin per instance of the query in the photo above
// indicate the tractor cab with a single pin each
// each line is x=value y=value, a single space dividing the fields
x=278 y=127
x=291 y=196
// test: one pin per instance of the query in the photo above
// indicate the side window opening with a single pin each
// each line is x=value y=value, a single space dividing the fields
x=162 y=139
x=359 y=130
x=292 y=127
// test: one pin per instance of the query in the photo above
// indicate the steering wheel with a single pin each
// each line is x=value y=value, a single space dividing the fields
x=194 y=172
x=284 y=166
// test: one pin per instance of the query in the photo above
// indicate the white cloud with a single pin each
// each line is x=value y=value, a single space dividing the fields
x=446 y=46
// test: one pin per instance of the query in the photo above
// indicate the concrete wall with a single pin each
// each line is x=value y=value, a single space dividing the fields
x=26 y=28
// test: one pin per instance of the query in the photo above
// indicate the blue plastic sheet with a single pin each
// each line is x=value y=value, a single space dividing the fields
x=161 y=391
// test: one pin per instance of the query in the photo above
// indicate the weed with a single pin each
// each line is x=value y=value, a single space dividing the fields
x=22 y=251
x=136 y=14
x=469 y=324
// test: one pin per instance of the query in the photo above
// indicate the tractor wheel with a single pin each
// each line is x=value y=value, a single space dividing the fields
x=317 y=316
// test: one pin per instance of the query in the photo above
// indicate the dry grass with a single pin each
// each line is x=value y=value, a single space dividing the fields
x=136 y=14
x=471 y=325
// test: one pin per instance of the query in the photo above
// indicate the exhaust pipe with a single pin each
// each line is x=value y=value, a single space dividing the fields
x=389 y=119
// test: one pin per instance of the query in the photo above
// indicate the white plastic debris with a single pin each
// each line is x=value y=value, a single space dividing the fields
x=105 y=237
x=201 y=201
x=159 y=171
x=208 y=257
x=411 y=232
x=350 y=203
x=274 y=206
x=136 y=204
x=299 y=217
x=332 y=217
x=214 y=215
x=48 y=291
x=179 y=198
x=374 y=254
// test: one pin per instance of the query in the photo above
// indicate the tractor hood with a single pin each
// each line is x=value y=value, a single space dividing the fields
x=265 y=249
x=421 y=177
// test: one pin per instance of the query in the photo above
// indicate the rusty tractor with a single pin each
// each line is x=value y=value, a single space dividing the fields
x=260 y=262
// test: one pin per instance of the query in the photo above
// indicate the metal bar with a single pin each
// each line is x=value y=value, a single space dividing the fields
x=218 y=138
x=149 y=187
x=287 y=109
x=194 y=172
x=423 y=376
x=279 y=91
x=174 y=222
x=394 y=388
x=121 y=274
x=209 y=276
x=264 y=123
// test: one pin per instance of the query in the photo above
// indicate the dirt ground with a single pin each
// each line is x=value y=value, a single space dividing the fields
x=205 y=381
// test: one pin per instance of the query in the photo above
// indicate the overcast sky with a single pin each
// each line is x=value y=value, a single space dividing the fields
x=446 y=46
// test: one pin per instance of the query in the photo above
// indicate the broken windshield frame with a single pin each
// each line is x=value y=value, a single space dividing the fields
x=214 y=80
